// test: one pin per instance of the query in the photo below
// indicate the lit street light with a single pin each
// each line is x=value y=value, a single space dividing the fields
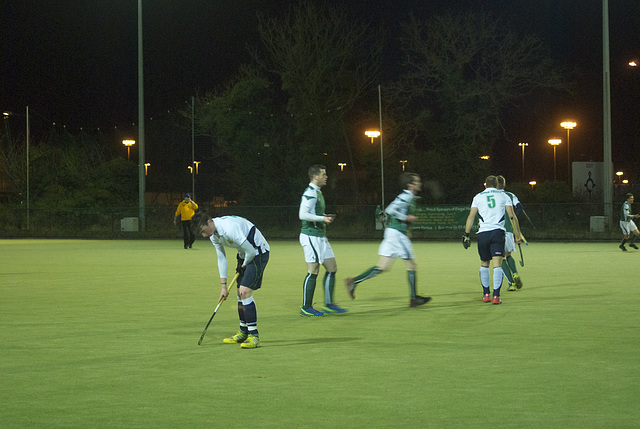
x=373 y=134
x=146 y=166
x=568 y=125
x=619 y=174
x=342 y=165
x=403 y=162
x=554 y=143
x=197 y=163
x=128 y=144
x=523 y=145
x=533 y=183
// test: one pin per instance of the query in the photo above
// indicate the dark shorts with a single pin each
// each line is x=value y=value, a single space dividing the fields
x=253 y=273
x=491 y=244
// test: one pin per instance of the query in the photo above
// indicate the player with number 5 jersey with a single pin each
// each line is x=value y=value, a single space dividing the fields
x=491 y=206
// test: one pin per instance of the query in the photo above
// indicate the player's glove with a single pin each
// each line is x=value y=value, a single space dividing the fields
x=466 y=241
x=240 y=271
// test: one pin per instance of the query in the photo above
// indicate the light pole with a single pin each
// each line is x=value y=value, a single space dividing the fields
x=619 y=174
x=128 y=144
x=403 y=162
x=568 y=125
x=342 y=165
x=373 y=134
x=146 y=166
x=533 y=183
x=523 y=145
x=554 y=143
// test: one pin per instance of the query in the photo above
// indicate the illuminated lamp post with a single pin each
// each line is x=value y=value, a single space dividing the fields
x=554 y=143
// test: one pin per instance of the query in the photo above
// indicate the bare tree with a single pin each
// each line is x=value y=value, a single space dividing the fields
x=325 y=63
x=462 y=71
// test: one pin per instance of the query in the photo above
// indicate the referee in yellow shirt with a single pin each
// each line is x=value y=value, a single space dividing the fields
x=185 y=211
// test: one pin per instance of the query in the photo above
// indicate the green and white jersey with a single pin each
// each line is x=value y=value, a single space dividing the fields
x=312 y=212
x=514 y=202
x=625 y=212
x=403 y=205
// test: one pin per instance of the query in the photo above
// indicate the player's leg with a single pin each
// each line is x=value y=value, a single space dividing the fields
x=329 y=283
x=243 y=333
x=624 y=226
x=385 y=250
x=634 y=235
x=252 y=281
x=497 y=255
x=484 y=251
x=511 y=263
x=313 y=256
x=497 y=279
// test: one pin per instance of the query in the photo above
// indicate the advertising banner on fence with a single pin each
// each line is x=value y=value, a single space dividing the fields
x=441 y=218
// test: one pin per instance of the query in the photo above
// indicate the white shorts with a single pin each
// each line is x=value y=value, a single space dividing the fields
x=396 y=245
x=509 y=242
x=316 y=249
x=628 y=227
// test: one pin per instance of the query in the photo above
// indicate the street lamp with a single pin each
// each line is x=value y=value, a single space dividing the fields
x=619 y=174
x=146 y=166
x=128 y=144
x=190 y=168
x=533 y=183
x=568 y=125
x=197 y=163
x=485 y=157
x=554 y=143
x=403 y=162
x=373 y=134
x=342 y=165
x=523 y=145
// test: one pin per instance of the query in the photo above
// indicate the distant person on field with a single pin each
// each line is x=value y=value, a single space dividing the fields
x=185 y=211
x=491 y=206
x=252 y=257
x=396 y=242
x=509 y=264
x=315 y=245
x=627 y=224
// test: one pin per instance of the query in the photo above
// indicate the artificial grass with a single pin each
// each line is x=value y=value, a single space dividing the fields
x=104 y=334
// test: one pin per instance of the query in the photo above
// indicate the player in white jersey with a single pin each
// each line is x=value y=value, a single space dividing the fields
x=509 y=264
x=491 y=205
x=252 y=258
x=315 y=245
x=627 y=224
x=396 y=242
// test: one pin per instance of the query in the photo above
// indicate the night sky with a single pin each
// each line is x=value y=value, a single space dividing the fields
x=74 y=62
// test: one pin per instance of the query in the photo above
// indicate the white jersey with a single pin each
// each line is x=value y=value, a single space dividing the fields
x=491 y=205
x=236 y=232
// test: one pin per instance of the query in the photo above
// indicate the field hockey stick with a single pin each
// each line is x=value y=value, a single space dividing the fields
x=528 y=218
x=524 y=240
x=521 y=257
x=220 y=301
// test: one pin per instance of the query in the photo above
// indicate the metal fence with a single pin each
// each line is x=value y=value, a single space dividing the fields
x=544 y=222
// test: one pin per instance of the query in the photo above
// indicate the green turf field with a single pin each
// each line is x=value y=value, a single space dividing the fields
x=103 y=334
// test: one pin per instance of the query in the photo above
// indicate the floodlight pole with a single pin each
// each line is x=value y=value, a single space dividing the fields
x=141 y=175
x=606 y=98
x=381 y=146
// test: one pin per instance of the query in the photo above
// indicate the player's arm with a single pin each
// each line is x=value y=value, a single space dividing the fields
x=515 y=223
x=307 y=210
x=398 y=209
x=222 y=269
x=470 y=220
x=466 y=240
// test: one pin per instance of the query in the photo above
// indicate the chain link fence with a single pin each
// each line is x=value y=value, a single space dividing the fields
x=549 y=222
